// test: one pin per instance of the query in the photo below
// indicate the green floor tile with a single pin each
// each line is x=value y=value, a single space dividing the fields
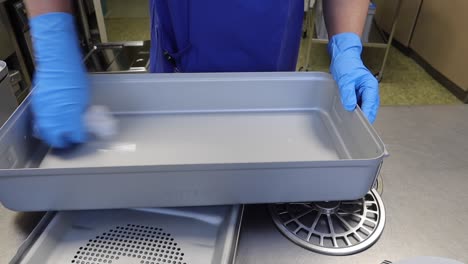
x=127 y=29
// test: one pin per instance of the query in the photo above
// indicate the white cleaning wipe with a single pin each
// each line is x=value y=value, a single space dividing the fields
x=100 y=122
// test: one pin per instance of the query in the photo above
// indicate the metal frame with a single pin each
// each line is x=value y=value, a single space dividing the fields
x=100 y=20
x=311 y=25
x=5 y=19
x=84 y=24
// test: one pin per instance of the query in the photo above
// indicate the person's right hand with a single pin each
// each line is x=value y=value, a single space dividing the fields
x=60 y=95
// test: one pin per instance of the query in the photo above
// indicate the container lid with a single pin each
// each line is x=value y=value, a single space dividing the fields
x=3 y=70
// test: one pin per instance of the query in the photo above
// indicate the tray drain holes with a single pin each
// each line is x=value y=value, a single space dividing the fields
x=148 y=244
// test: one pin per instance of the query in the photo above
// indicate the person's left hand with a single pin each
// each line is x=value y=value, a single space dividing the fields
x=356 y=83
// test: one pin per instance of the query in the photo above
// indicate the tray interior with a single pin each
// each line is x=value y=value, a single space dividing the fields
x=176 y=236
x=208 y=138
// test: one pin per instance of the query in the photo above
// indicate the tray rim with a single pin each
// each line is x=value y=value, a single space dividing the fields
x=188 y=77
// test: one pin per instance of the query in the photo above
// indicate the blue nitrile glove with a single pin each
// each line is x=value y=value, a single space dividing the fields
x=60 y=96
x=356 y=83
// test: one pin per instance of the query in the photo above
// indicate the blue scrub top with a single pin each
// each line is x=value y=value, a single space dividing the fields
x=225 y=35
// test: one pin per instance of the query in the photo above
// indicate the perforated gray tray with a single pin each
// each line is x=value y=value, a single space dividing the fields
x=199 y=139
x=138 y=236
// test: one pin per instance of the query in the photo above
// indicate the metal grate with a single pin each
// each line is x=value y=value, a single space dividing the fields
x=143 y=244
x=333 y=228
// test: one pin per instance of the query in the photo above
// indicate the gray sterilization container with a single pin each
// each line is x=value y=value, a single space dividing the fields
x=199 y=139
x=198 y=235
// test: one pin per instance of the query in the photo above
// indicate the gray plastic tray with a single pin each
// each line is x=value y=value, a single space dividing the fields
x=135 y=236
x=199 y=139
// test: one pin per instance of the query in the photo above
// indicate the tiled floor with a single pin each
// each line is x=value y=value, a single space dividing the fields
x=404 y=82
x=127 y=20
x=126 y=9
x=126 y=29
x=407 y=83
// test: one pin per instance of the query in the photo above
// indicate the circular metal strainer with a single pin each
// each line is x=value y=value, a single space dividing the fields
x=332 y=228
x=379 y=184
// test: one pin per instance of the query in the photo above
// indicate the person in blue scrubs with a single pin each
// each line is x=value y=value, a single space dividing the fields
x=195 y=36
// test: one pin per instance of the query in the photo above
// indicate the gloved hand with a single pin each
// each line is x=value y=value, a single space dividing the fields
x=60 y=94
x=356 y=83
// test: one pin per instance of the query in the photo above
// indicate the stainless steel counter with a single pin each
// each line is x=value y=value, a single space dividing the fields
x=425 y=194
x=425 y=183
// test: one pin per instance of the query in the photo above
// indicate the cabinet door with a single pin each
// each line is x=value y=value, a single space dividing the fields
x=409 y=11
x=441 y=38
